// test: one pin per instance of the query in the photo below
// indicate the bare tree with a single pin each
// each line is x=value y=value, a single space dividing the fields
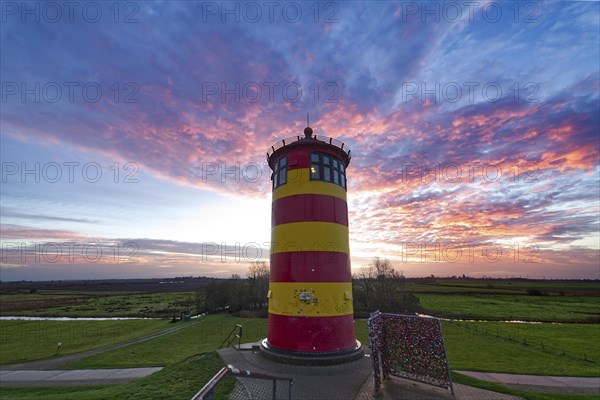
x=383 y=288
x=235 y=292
x=200 y=301
x=258 y=281
x=365 y=280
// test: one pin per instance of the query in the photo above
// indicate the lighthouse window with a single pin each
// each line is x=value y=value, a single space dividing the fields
x=315 y=166
x=280 y=172
x=327 y=168
x=324 y=167
x=315 y=171
x=336 y=172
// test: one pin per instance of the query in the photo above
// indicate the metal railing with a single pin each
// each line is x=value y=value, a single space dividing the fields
x=300 y=138
x=229 y=339
x=208 y=391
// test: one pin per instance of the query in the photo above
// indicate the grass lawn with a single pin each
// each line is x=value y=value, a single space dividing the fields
x=571 y=340
x=186 y=371
x=189 y=360
x=180 y=380
x=513 y=307
x=551 y=286
x=476 y=351
x=203 y=337
x=35 y=340
x=459 y=288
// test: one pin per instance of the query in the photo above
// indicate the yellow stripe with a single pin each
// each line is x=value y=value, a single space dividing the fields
x=310 y=299
x=298 y=182
x=309 y=236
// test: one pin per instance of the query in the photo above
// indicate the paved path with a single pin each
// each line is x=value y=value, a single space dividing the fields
x=396 y=388
x=74 y=377
x=48 y=372
x=541 y=383
x=536 y=380
x=61 y=362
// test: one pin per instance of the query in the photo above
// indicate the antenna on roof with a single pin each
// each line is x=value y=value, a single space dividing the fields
x=308 y=130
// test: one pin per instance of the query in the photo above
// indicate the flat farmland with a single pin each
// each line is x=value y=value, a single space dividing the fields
x=560 y=345
x=51 y=303
x=582 y=309
x=493 y=300
x=589 y=288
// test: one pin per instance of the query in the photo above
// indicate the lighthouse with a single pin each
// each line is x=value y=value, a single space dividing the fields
x=310 y=290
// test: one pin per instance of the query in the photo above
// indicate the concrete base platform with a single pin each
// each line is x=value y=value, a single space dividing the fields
x=329 y=382
x=302 y=358
x=352 y=380
x=248 y=346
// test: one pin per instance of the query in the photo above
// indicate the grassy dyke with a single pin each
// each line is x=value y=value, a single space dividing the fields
x=189 y=358
x=475 y=350
x=203 y=337
x=180 y=380
x=544 y=349
x=22 y=341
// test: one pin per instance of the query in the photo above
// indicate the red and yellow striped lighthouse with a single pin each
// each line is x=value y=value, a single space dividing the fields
x=310 y=290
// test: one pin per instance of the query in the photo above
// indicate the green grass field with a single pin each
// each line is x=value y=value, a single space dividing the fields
x=180 y=380
x=50 y=303
x=590 y=288
x=33 y=340
x=566 y=349
x=513 y=307
x=468 y=349
x=203 y=337
x=475 y=350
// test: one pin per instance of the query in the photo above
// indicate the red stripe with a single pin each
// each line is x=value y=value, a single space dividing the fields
x=311 y=334
x=309 y=207
x=300 y=157
x=310 y=266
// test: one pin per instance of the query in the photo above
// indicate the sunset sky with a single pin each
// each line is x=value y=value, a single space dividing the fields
x=140 y=131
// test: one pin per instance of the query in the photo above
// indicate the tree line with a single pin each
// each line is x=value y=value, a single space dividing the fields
x=236 y=294
x=378 y=286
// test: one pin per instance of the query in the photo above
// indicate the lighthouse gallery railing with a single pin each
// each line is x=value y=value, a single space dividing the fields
x=299 y=138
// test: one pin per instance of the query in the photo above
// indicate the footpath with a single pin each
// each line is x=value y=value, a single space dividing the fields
x=50 y=372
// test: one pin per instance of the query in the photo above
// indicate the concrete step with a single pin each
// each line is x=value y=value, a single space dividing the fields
x=248 y=346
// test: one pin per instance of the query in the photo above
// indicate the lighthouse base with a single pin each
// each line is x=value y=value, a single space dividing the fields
x=311 y=358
